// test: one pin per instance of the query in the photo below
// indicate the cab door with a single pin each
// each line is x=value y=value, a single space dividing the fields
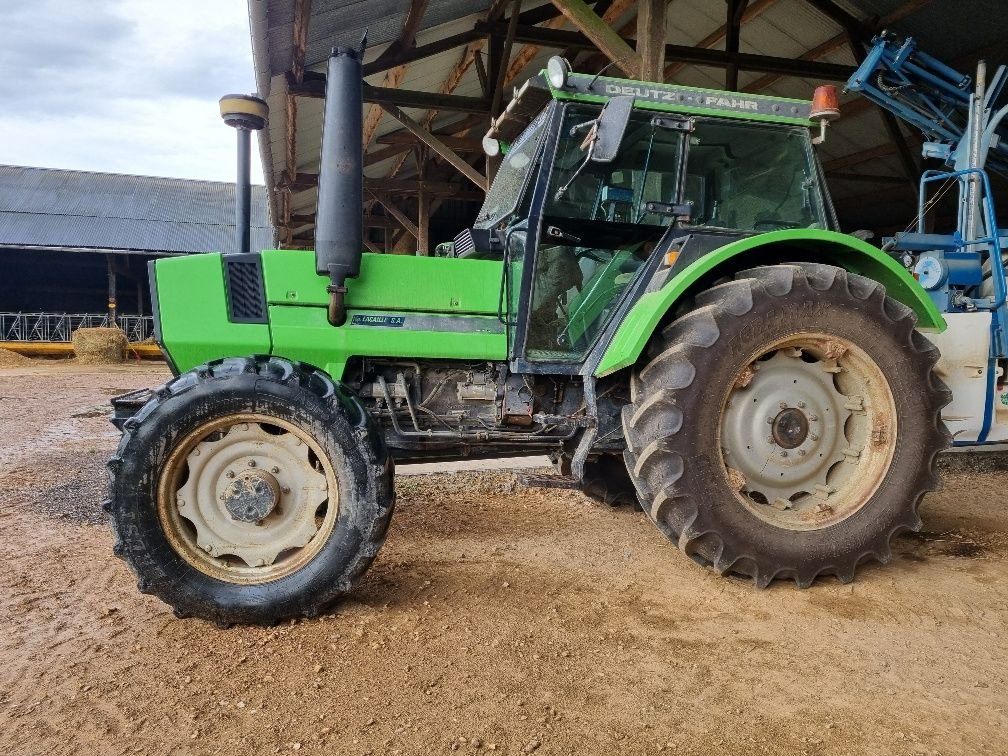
x=590 y=233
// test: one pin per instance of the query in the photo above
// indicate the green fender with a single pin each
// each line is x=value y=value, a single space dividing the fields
x=809 y=245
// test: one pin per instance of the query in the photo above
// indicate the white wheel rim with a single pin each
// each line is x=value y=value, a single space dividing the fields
x=247 y=498
x=808 y=431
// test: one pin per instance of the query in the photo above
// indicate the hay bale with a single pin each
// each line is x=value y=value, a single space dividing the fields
x=12 y=359
x=99 y=346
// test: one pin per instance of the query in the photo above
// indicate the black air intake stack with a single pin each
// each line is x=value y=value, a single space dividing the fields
x=339 y=239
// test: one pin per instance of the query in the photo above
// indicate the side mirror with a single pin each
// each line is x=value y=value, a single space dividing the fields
x=610 y=128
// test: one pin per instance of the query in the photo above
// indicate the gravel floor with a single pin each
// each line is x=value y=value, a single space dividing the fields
x=495 y=620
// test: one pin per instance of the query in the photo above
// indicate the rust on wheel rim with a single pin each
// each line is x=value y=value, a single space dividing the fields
x=808 y=431
x=247 y=498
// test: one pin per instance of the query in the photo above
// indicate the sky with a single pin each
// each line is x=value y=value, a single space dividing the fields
x=128 y=86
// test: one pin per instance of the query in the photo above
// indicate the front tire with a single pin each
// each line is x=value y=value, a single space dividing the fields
x=788 y=426
x=250 y=491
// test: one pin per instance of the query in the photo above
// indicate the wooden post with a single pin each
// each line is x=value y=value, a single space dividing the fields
x=423 y=221
x=651 y=32
x=113 y=304
x=423 y=204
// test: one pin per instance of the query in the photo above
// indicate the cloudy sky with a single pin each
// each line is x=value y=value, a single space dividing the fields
x=129 y=86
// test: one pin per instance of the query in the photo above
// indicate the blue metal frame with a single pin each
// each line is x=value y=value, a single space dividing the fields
x=926 y=93
x=941 y=102
x=992 y=242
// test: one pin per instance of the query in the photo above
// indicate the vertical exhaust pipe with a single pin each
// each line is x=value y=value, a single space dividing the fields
x=244 y=113
x=339 y=236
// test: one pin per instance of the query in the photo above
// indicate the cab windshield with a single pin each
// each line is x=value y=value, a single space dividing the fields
x=513 y=176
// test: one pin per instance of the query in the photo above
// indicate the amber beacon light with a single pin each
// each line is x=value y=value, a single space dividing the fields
x=825 y=108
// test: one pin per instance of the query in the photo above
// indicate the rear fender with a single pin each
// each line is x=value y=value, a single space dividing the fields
x=793 y=245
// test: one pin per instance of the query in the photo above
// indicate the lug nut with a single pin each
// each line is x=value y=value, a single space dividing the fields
x=801 y=452
x=814 y=437
x=783 y=452
x=770 y=440
x=252 y=463
x=769 y=420
x=801 y=405
x=783 y=405
x=275 y=470
x=229 y=474
x=814 y=418
x=285 y=489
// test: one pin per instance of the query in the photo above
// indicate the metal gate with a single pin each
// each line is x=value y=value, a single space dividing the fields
x=59 y=327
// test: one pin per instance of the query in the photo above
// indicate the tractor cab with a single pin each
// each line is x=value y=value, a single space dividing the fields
x=598 y=179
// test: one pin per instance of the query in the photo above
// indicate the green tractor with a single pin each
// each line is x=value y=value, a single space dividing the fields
x=654 y=293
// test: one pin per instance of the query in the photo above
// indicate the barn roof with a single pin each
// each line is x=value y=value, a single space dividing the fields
x=45 y=207
x=869 y=161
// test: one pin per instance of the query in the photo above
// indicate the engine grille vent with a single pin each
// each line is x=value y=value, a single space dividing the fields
x=245 y=289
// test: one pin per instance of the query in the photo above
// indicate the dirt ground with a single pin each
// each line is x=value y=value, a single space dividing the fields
x=495 y=620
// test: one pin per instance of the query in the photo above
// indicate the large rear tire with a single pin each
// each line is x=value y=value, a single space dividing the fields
x=788 y=426
x=250 y=491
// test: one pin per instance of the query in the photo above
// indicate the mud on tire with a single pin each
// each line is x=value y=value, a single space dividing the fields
x=673 y=424
x=299 y=396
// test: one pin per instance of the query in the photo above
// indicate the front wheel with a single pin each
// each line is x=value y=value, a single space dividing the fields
x=788 y=426
x=250 y=491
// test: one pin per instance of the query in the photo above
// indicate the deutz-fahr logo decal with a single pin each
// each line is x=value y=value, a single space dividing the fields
x=704 y=100
x=385 y=321
x=673 y=96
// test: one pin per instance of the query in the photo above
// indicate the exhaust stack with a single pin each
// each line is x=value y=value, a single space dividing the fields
x=245 y=113
x=339 y=238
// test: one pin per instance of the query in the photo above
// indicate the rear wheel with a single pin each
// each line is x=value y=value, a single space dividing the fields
x=250 y=491
x=788 y=426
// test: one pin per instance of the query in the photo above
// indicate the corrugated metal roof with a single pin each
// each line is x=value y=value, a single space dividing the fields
x=61 y=208
x=949 y=29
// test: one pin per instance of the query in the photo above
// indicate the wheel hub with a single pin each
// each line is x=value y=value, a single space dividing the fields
x=252 y=496
x=790 y=428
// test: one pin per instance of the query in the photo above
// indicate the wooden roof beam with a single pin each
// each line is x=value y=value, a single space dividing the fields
x=457 y=143
x=405 y=98
x=438 y=146
x=733 y=32
x=398 y=214
x=420 y=52
x=602 y=36
x=394 y=76
x=407 y=38
x=559 y=38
